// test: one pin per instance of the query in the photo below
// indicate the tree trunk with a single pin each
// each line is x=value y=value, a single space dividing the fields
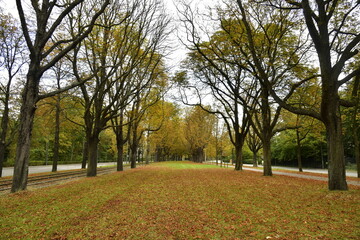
x=267 y=157
x=120 y=154
x=198 y=155
x=85 y=155
x=298 y=150
x=157 y=154
x=26 y=119
x=57 y=135
x=238 y=157
x=255 y=163
x=4 y=129
x=133 y=155
x=2 y=156
x=331 y=116
x=336 y=160
x=147 y=157
x=357 y=153
x=93 y=154
x=266 y=129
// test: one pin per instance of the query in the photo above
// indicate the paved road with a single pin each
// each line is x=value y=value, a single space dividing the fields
x=298 y=175
x=310 y=170
x=8 y=171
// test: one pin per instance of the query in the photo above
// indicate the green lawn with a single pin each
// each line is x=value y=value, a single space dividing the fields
x=181 y=200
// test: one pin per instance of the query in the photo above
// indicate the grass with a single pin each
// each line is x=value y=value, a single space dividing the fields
x=182 y=201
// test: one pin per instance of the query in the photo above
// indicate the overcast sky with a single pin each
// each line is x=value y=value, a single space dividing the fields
x=177 y=52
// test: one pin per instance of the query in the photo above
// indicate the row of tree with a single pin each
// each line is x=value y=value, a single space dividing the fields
x=262 y=57
x=90 y=71
x=100 y=66
x=99 y=61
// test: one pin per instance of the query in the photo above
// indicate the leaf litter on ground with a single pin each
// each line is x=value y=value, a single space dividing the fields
x=182 y=200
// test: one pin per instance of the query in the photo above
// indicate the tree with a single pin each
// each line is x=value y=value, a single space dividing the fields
x=168 y=143
x=60 y=72
x=123 y=55
x=12 y=51
x=331 y=26
x=218 y=66
x=254 y=144
x=276 y=57
x=100 y=57
x=351 y=116
x=199 y=125
x=146 y=98
x=49 y=16
x=122 y=136
x=261 y=46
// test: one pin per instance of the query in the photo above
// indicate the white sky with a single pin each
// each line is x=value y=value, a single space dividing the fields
x=9 y=6
x=178 y=52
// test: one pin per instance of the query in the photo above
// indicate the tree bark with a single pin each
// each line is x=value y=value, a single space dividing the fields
x=198 y=155
x=331 y=116
x=57 y=135
x=120 y=155
x=133 y=155
x=267 y=157
x=336 y=159
x=255 y=163
x=298 y=150
x=239 y=156
x=357 y=153
x=85 y=154
x=93 y=154
x=4 y=129
x=27 y=113
x=2 y=156
x=266 y=129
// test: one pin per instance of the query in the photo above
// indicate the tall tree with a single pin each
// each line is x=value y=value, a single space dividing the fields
x=60 y=70
x=11 y=60
x=122 y=133
x=199 y=125
x=332 y=28
x=275 y=57
x=49 y=16
x=146 y=98
x=122 y=54
x=263 y=49
x=218 y=66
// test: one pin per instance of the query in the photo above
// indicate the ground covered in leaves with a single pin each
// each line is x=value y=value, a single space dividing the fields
x=182 y=201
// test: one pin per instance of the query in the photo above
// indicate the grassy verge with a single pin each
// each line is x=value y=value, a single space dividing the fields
x=182 y=201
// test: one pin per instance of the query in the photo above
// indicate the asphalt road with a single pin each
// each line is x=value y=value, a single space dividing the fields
x=8 y=171
x=310 y=170
x=298 y=174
